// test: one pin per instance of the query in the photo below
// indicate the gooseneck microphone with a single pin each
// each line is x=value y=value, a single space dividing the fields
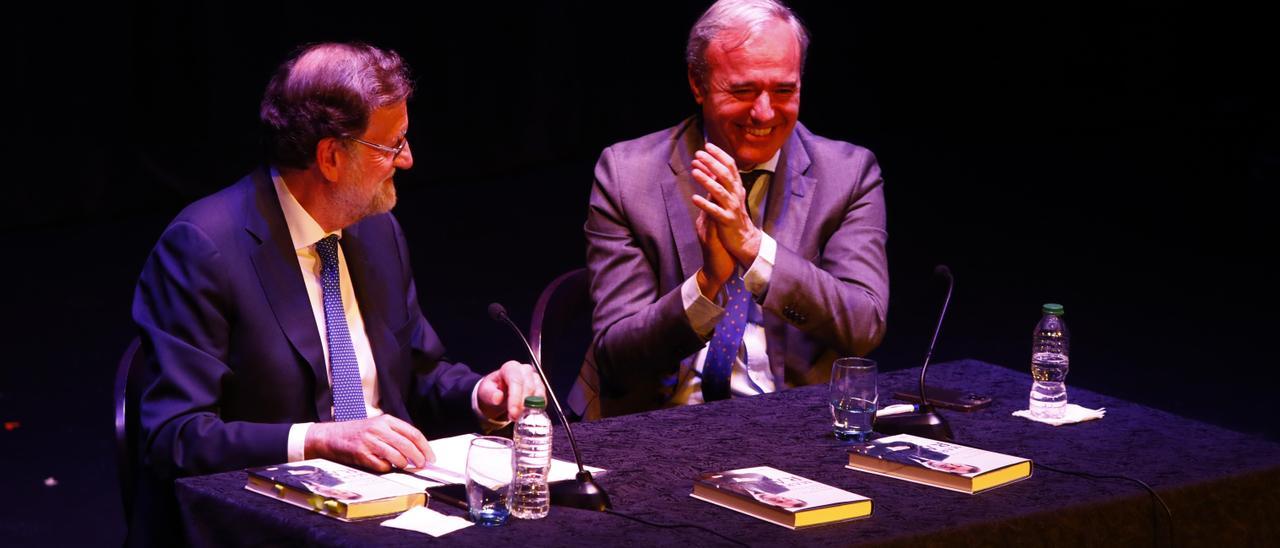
x=582 y=491
x=925 y=422
x=943 y=272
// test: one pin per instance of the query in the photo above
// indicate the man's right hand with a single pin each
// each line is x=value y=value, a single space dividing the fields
x=380 y=443
x=717 y=263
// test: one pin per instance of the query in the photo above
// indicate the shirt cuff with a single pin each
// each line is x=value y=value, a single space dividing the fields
x=702 y=313
x=486 y=424
x=757 y=278
x=298 y=442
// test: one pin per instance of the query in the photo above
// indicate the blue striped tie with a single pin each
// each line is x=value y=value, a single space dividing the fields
x=344 y=372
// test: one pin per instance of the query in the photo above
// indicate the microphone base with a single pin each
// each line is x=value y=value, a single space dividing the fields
x=580 y=492
x=926 y=423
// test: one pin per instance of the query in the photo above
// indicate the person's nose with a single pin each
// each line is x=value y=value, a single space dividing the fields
x=762 y=109
x=405 y=159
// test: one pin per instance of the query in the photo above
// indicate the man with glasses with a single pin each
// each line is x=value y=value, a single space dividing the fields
x=280 y=317
x=736 y=253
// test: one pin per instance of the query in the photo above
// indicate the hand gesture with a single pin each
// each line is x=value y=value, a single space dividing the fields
x=726 y=203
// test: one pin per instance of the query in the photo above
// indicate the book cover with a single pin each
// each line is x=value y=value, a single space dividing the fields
x=333 y=489
x=775 y=496
x=937 y=463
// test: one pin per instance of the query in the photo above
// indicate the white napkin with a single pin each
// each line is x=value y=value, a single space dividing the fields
x=896 y=409
x=1072 y=414
x=424 y=520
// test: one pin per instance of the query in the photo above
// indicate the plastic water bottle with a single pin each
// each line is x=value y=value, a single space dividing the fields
x=530 y=499
x=1050 y=345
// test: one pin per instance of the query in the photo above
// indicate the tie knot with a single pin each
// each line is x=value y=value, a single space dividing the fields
x=327 y=248
x=749 y=178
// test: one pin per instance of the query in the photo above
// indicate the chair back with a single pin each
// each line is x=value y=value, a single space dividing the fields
x=560 y=332
x=127 y=391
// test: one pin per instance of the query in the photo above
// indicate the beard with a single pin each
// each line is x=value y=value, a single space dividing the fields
x=358 y=201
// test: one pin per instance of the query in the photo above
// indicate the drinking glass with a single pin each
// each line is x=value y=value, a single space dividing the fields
x=854 y=398
x=489 y=480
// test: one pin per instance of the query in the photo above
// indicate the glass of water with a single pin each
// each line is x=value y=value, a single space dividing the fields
x=854 y=397
x=489 y=480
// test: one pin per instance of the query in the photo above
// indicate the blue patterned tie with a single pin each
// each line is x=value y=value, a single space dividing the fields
x=344 y=372
x=718 y=368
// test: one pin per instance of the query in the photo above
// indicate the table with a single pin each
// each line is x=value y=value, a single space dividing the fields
x=1223 y=487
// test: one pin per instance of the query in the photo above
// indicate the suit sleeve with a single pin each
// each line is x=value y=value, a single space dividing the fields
x=180 y=308
x=640 y=334
x=440 y=399
x=842 y=298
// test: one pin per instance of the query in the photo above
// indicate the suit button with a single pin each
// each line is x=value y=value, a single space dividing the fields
x=791 y=314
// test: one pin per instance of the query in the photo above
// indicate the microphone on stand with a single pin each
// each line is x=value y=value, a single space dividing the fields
x=925 y=422
x=582 y=491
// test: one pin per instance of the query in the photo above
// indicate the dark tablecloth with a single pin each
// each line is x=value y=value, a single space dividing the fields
x=1223 y=487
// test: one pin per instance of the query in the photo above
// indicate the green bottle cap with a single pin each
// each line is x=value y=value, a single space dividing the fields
x=1052 y=308
x=535 y=401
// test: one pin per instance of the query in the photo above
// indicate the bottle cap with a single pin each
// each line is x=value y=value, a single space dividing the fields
x=1052 y=308
x=535 y=401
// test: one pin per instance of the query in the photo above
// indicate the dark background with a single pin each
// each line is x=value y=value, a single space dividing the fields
x=1110 y=158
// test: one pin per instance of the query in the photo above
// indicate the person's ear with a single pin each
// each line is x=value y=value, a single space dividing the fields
x=695 y=85
x=330 y=157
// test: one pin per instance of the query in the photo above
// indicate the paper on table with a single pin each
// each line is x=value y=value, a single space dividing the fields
x=425 y=520
x=451 y=462
x=1072 y=414
x=411 y=480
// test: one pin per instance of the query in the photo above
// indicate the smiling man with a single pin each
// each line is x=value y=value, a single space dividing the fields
x=279 y=316
x=735 y=253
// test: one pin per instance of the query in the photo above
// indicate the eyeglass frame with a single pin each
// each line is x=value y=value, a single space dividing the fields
x=395 y=151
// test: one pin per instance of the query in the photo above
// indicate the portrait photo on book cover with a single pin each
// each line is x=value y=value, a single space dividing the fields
x=909 y=453
x=758 y=486
x=313 y=479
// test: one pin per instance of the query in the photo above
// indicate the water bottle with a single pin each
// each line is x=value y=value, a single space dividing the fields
x=530 y=499
x=1050 y=345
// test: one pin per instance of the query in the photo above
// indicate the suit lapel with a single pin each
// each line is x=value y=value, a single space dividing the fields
x=277 y=266
x=678 y=197
x=371 y=294
x=791 y=195
x=785 y=218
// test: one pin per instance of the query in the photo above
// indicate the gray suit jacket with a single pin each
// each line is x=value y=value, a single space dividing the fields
x=829 y=290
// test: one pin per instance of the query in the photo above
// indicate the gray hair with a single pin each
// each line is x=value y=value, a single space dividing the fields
x=327 y=90
x=748 y=14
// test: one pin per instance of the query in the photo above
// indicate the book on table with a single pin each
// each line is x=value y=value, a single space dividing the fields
x=775 y=496
x=333 y=489
x=937 y=463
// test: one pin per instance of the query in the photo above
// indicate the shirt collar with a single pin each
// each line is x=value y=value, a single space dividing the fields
x=770 y=165
x=303 y=228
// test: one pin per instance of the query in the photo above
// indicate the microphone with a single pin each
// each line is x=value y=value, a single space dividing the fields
x=943 y=272
x=926 y=421
x=582 y=491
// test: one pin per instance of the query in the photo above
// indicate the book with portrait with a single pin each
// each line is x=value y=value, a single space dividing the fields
x=938 y=463
x=334 y=490
x=778 y=497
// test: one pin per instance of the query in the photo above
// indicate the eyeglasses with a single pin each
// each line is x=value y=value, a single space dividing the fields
x=395 y=151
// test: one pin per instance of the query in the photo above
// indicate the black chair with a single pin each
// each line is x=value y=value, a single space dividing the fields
x=128 y=389
x=560 y=334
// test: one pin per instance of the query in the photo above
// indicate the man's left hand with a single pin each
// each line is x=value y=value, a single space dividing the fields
x=502 y=393
x=726 y=203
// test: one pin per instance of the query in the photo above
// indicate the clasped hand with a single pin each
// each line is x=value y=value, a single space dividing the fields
x=725 y=231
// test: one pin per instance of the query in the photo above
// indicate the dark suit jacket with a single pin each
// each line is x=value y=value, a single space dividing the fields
x=827 y=296
x=234 y=354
